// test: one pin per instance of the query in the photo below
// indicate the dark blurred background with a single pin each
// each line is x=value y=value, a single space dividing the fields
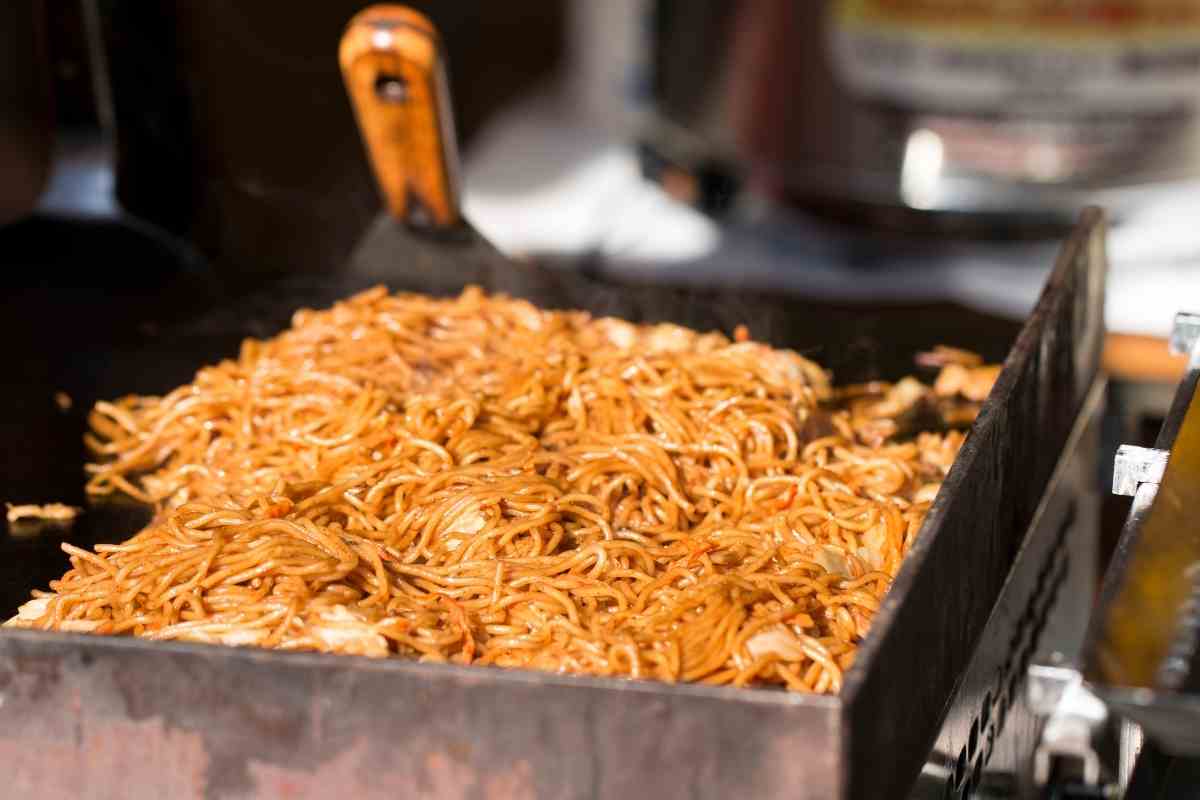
x=227 y=122
x=25 y=113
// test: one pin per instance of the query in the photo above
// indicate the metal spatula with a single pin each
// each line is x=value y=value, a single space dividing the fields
x=394 y=69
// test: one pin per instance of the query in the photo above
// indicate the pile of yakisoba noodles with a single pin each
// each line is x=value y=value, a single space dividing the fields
x=480 y=481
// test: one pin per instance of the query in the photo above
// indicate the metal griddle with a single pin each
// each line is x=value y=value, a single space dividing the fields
x=934 y=703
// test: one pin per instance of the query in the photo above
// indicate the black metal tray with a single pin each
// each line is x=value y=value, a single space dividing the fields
x=131 y=718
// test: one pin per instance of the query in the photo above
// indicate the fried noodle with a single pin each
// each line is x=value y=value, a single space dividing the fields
x=480 y=481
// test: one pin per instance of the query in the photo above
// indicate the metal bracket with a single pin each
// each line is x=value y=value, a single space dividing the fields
x=1134 y=466
x=1185 y=333
x=1075 y=720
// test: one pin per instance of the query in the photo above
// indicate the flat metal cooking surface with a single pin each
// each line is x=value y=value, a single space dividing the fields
x=196 y=721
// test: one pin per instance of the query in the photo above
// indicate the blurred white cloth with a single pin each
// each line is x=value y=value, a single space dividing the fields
x=544 y=180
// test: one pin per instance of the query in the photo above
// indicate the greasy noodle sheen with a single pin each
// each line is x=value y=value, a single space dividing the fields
x=480 y=481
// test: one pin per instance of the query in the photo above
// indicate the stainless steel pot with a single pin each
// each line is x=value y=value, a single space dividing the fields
x=988 y=107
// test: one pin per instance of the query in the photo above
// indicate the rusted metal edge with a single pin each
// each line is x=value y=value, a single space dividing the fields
x=104 y=717
x=258 y=656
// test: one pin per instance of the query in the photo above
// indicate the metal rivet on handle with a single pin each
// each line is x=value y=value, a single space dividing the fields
x=391 y=89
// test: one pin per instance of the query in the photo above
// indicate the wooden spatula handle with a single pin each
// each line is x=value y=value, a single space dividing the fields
x=392 y=64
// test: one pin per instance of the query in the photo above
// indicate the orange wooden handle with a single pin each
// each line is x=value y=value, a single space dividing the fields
x=393 y=69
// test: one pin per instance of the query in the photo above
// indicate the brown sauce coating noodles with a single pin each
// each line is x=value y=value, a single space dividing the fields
x=480 y=481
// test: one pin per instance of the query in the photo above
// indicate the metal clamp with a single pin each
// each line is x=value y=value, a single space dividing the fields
x=1069 y=753
x=1134 y=466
